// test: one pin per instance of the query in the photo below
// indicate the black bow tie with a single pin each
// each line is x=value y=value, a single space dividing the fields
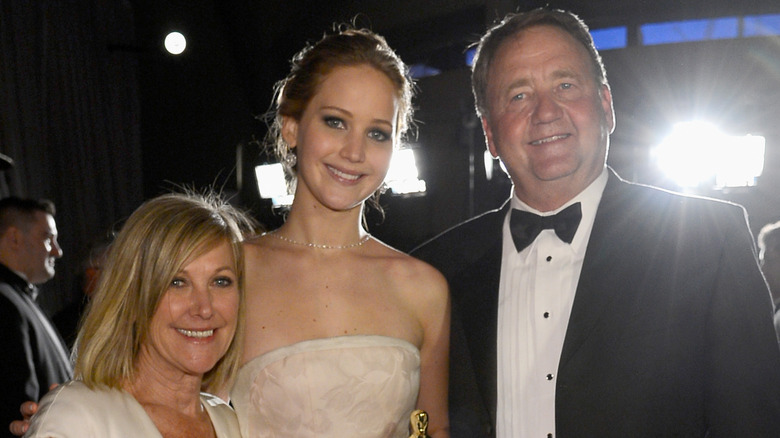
x=526 y=226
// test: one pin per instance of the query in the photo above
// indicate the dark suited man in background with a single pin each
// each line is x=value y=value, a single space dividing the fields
x=34 y=356
x=588 y=306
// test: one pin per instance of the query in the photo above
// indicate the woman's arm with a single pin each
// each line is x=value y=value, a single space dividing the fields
x=434 y=314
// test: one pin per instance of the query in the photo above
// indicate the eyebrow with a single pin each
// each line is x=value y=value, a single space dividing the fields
x=565 y=73
x=342 y=110
x=518 y=83
x=556 y=74
x=183 y=270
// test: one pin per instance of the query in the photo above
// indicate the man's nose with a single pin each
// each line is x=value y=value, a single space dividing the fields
x=56 y=251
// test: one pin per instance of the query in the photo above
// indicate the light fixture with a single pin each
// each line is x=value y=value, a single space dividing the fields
x=175 y=43
x=487 y=158
x=272 y=185
x=697 y=154
x=403 y=177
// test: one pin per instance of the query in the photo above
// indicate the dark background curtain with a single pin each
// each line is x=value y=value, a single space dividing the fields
x=69 y=116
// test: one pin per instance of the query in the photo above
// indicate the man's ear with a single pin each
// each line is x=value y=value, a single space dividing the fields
x=12 y=238
x=489 y=137
x=290 y=131
x=606 y=106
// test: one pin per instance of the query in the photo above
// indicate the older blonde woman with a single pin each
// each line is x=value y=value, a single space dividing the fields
x=165 y=323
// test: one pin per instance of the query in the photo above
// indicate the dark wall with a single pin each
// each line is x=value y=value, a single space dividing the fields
x=194 y=110
x=69 y=119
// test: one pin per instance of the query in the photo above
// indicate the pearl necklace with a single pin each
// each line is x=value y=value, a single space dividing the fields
x=318 y=245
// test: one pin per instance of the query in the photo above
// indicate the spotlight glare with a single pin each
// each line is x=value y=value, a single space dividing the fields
x=271 y=184
x=697 y=153
x=403 y=177
x=175 y=43
x=487 y=158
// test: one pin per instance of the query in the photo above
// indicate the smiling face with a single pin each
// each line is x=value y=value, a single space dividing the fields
x=345 y=137
x=196 y=318
x=548 y=119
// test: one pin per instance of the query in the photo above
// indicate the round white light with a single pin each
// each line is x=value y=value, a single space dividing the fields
x=175 y=43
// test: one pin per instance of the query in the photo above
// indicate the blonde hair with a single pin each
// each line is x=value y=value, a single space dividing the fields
x=158 y=239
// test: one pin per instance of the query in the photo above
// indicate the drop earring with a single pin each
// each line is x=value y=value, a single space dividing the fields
x=290 y=160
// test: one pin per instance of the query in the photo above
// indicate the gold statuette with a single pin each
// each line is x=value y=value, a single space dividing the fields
x=419 y=423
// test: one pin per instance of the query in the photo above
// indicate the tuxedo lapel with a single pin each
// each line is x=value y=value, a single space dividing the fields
x=474 y=280
x=596 y=295
x=479 y=315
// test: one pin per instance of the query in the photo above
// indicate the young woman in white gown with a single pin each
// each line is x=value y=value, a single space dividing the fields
x=345 y=336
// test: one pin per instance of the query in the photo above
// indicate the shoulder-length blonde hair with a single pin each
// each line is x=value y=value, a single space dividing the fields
x=155 y=243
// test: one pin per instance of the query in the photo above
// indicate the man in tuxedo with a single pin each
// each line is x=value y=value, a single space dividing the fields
x=588 y=306
x=34 y=356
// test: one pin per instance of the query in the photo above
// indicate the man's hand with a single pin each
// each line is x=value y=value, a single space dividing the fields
x=19 y=427
x=28 y=409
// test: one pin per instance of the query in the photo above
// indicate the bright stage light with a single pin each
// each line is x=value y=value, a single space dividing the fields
x=487 y=158
x=489 y=162
x=403 y=177
x=175 y=43
x=697 y=154
x=271 y=184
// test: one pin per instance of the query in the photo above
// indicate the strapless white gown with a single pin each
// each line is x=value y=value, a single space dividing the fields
x=347 y=386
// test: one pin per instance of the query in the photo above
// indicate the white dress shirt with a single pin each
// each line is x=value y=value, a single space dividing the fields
x=536 y=293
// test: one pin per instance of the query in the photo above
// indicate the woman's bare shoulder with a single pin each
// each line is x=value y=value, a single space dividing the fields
x=416 y=276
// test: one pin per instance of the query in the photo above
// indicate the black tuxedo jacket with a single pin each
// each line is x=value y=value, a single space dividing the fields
x=31 y=360
x=670 y=333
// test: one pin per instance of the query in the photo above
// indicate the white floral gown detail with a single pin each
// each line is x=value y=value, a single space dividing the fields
x=345 y=386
